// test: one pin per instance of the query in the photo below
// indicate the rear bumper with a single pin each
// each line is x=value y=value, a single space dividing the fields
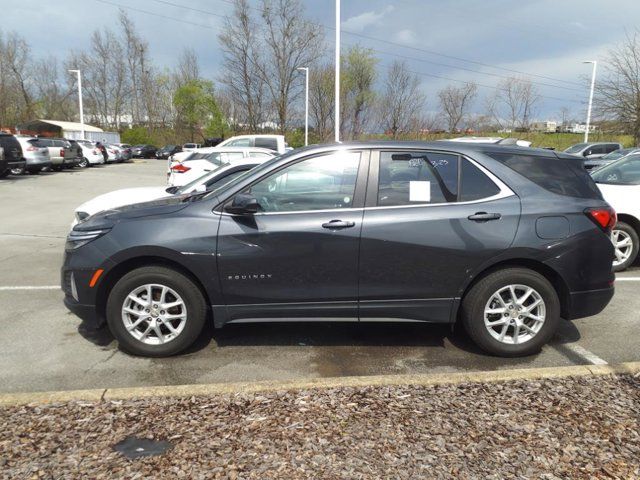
x=588 y=303
x=16 y=164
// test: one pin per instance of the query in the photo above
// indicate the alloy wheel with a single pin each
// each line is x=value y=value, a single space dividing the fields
x=514 y=314
x=623 y=245
x=154 y=314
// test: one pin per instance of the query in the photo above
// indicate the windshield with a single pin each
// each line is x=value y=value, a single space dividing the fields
x=187 y=187
x=618 y=154
x=625 y=171
x=576 y=148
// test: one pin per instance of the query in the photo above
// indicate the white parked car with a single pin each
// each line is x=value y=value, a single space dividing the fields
x=127 y=196
x=36 y=157
x=276 y=143
x=495 y=140
x=619 y=183
x=181 y=173
x=190 y=147
x=90 y=153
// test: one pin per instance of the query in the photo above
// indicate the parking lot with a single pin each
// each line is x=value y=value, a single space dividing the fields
x=44 y=347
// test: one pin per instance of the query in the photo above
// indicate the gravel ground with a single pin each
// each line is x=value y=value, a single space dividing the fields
x=586 y=427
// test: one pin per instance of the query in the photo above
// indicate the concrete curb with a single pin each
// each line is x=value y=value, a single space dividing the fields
x=98 y=395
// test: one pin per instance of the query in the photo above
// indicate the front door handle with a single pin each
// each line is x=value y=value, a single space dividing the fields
x=484 y=216
x=337 y=224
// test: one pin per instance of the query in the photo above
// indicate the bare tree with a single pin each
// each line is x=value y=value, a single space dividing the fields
x=618 y=91
x=54 y=97
x=136 y=54
x=455 y=103
x=513 y=103
x=240 y=43
x=321 y=100
x=16 y=103
x=290 y=42
x=188 y=67
x=402 y=102
x=358 y=72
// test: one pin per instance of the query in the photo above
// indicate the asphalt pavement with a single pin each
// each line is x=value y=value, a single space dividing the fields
x=44 y=347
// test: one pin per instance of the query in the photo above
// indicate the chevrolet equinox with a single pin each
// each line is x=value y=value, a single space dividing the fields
x=505 y=240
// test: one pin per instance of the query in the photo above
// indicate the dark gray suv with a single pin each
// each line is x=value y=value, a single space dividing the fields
x=505 y=240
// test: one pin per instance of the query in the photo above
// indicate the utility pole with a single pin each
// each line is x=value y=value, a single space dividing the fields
x=337 y=69
x=77 y=72
x=306 y=104
x=593 y=84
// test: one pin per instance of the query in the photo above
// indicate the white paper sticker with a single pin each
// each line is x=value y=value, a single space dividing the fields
x=419 y=191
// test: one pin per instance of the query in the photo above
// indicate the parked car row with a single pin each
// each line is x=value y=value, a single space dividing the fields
x=25 y=153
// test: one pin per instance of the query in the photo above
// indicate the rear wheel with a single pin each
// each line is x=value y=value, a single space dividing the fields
x=511 y=312
x=155 y=312
x=17 y=171
x=625 y=242
x=83 y=163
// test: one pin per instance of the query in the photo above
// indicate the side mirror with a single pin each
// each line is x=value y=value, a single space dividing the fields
x=587 y=153
x=201 y=188
x=243 y=204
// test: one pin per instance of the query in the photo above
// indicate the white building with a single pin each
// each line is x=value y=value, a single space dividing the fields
x=546 y=127
x=70 y=130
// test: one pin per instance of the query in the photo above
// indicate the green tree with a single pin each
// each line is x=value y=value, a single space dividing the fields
x=358 y=75
x=197 y=109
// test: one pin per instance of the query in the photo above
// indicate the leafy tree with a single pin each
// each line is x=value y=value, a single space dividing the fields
x=196 y=107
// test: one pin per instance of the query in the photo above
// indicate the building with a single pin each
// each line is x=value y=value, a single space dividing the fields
x=546 y=127
x=576 y=128
x=71 y=130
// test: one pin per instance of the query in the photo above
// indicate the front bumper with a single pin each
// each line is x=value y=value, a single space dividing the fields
x=588 y=303
x=87 y=313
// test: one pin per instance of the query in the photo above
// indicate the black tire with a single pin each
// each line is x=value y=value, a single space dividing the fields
x=473 y=309
x=5 y=173
x=629 y=230
x=84 y=163
x=56 y=168
x=18 y=171
x=193 y=299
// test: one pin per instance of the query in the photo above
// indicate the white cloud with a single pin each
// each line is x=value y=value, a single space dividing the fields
x=364 y=20
x=407 y=36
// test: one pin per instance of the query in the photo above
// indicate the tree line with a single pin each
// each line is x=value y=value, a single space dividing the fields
x=260 y=86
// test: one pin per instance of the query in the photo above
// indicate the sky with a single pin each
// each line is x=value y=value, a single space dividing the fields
x=444 y=42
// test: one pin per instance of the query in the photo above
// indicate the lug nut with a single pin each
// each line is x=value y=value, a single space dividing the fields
x=146 y=310
x=162 y=312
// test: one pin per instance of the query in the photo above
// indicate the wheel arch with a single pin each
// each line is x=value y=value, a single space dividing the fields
x=556 y=280
x=630 y=220
x=126 y=266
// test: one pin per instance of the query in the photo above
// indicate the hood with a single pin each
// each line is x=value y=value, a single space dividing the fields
x=108 y=218
x=119 y=198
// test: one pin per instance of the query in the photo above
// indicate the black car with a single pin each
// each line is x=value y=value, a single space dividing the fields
x=505 y=240
x=143 y=151
x=12 y=154
x=168 y=150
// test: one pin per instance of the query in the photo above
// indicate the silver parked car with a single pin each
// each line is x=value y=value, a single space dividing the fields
x=36 y=157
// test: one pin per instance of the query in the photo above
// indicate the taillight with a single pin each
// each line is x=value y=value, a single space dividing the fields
x=180 y=168
x=96 y=152
x=62 y=152
x=604 y=217
x=32 y=149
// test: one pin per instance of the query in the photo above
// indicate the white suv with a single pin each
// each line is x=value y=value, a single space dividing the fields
x=272 y=142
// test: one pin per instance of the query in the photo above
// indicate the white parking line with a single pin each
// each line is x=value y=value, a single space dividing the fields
x=38 y=287
x=579 y=351
x=628 y=279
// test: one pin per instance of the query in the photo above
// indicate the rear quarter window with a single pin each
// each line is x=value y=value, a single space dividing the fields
x=270 y=143
x=561 y=174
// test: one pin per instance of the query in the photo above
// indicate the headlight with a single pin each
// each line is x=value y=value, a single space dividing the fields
x=82 y=216
x=77 y=238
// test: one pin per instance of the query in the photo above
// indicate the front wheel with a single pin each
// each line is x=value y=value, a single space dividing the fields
x=625 y=242
x=155 y=311
x=511 y=312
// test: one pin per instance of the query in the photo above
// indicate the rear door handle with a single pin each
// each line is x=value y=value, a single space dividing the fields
x=484 y=216
x=337 y=224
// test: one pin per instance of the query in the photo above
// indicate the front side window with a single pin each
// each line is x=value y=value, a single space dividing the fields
x=408 y=178
x=319 y=183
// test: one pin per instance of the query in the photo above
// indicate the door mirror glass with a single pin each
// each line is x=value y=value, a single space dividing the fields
x=243 y=204
x=201 y=188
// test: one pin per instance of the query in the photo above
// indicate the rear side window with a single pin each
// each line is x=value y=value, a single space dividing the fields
x=612 y=147
x=560 y=175
x=270 y=143
x=11 y=146
x=474 y=184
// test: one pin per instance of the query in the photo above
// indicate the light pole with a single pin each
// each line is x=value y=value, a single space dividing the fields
x=80 y=100
x=306 y=104
x=593 y=84
x=337 y=89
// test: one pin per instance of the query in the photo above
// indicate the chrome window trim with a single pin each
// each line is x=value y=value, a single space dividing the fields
x=505 y=192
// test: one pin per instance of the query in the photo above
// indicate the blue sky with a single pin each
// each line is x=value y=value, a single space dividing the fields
x=546 y=39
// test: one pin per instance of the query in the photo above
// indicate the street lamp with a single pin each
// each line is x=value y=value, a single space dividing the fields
x=337 y=69
x=77 y=72
x=593 y=83
x=306 y=104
